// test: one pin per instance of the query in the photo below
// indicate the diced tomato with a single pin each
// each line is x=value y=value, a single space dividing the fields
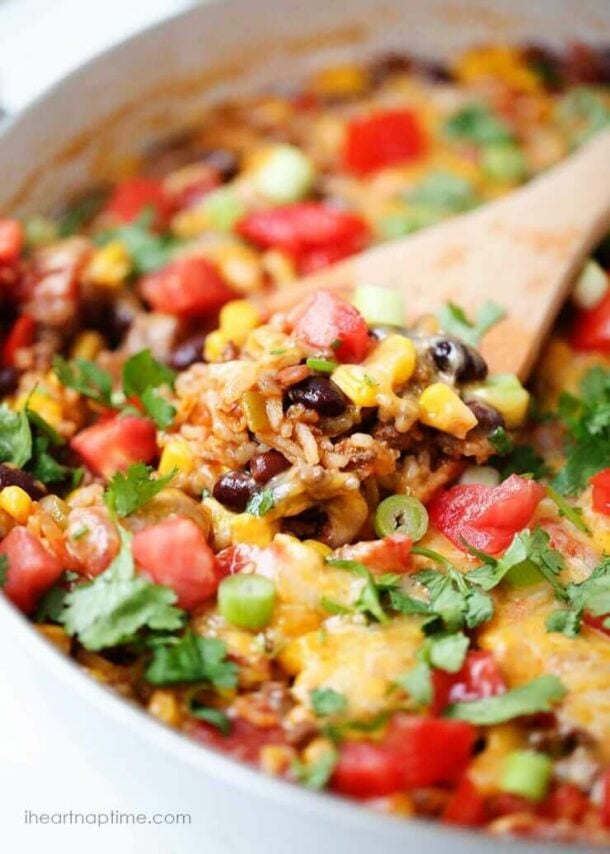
x=175 y=553
x=486 y=517
x=31 y=568
x=389 y=554
x=601 y=491
x=415 y=751
x=21 y=335
x=597 y=622
x=244 y=742
x=605 y=806
x=11 y=240
x=507 y=804
x=235 y=559
x=591 y=327
x=92 y=539
x=478 y=678
x=383 y=139
x=466 y=806
x=366 y=770
x=188 y=287
x=565 y=803
x=113 y=445
x=312 y=233
x=329 y=323
x=132 y=197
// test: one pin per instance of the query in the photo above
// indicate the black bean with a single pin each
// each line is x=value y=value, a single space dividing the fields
x=488 y=417
x=267 y=464
x=9 y=377
x=12 y=476
x=459 y=360
x=234 y=489
x=187 y=353
x=319 y=394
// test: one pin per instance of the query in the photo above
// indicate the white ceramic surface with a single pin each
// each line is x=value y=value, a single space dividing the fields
x=159 y=770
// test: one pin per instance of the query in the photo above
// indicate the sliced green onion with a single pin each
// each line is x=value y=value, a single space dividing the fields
x=40 y=231
x=323 y=366
x=506 y=394
x=285 y=174
x=223 y=209
x=504 y=162
x=591 y=286
x=484 y=475
x=401 y=514
x=380 y=305
x=527 y=773
x=246 y=600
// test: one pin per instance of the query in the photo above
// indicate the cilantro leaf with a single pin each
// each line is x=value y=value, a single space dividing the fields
x=128 y=492
x=85 y=377
x=368 y=601
x=315 y=775
x=500 y=441
x=327 y=701
x=261 y=502
x=116 y=605
x=142 y=376
x=192 y=659
x=453 y=320
x=586 y=420
x=442 y=194
x=3 y=569
x=567 y=510
x=15 y=437
x=592 y=595
x=447 y=651
x=522 y=459
x=418 y=683
x=147 y=249
x=216 y=717
x=475 y=123
x=539 y=695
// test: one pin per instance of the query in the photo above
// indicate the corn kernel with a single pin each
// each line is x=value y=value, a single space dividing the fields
x=42 y=404
x=239 y=265
x=357 y=383
x=340 y=81
x=237 y=318
x=394 y=359
x=506 y=394
x=87 y=345
x=486 y=767
x=221 y=520
x=253 y=530
x=176 y=455
x=163 y=705
x=442 y=408
x=16 y=502
x=109 y=265
x=321 y=548
x=215 y=345
x=275 y=759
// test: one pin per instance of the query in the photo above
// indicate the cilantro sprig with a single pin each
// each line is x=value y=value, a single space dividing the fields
x=191 y=658
x=130 y=491
x=453 y=319
x=114 y=607
x=539 y=695
x=142 y=377
x=592 y=595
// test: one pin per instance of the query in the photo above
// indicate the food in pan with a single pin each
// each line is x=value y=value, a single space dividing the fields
x=322 y=542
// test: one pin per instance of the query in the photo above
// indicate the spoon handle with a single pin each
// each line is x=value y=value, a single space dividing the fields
x=521 y=251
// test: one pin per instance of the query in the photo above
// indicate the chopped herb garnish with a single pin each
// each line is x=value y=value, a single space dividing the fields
x=27 y=441
x=3 y=569
x=147 y=249
x=522 y=459
x=368 y=601
x=418 y=684
x=591 y=595
x=216 y=717
x=475 y=123
x=537 y=696
x=586 y=420
x=500 y=441
x=113 y=608
x=567 y=510
x=15 y=437
x=327 y=701
x=315 y=775
x=323 y=366
x=261 y=503
x=453 y=320
x=85 y=377
x=142 y=376
x=128 y=492
x=192 y=658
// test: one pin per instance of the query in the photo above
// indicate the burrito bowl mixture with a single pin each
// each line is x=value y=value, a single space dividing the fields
x=322 y=542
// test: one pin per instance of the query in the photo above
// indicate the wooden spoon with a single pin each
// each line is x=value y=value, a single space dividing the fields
x=522 y=251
